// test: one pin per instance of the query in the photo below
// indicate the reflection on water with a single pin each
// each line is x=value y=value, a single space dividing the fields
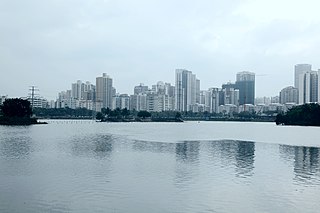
x=187 y=162
x=305 y=162
x=93 y=145
x=244 y=158
x=58 y=168
x=156 y=147
x=231 y=153
x=16 y=146
x=188 y=151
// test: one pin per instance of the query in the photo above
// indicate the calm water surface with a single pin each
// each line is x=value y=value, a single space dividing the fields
x=84 y=166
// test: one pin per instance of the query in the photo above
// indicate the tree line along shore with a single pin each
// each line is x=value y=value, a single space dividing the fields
x=19 y=112
x=125 y=115
x=302 y=115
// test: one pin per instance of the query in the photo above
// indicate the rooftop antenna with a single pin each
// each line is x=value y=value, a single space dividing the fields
x=32 y=93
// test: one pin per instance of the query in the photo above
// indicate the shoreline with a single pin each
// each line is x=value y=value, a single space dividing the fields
x=16 y=121
x=159 y=120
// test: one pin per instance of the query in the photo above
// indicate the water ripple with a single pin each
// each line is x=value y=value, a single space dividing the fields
x=74 y=167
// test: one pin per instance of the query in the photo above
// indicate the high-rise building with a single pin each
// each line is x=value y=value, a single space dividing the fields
x=246 y=85
x=159 y=98
x=141 y=89
x=262 y=100
x=152 y=102
x=214 y=100
x=89 y=92
x=229 y=94
x=138 y=102
x=77 y=90
x=121 y=101
x=186 y=90
x=289 y=95
x=298 y=70
x=160 y=88
x=170 y=90
x=308 y=87
x=197 y=91
x=209 y=100
x=104 y=91
x=205 y=99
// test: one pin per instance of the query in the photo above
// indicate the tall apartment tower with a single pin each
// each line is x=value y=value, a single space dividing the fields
x=214 y=100
x=229 y=94
x=141 y=89
x=77 y=90
x=246 y=85
x=289 y=95
x=197 y=91
x=186 y=90
x=104 y=91
x=298 y=70
x=308 y=87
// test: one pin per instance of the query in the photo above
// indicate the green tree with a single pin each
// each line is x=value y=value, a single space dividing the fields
x=99 y=116
x=144 y=114
x=16 y=107
x=178 y=115
x=125 y=112
x=306 y=115
x=106 y=111
x=116 y=113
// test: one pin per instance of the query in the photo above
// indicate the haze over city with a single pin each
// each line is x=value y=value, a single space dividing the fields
x=51 y=44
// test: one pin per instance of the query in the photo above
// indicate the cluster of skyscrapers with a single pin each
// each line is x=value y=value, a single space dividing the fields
x=228 y=98
x=306 y=86
x=87 y=95
x=103 y=95
x=185 y=95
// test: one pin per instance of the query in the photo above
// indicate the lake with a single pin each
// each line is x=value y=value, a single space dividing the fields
x=85 y=166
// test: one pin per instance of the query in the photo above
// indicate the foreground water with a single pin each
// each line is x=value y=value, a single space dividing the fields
x=84 y=166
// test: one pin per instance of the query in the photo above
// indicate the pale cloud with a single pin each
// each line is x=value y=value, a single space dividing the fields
x=56 y=42
x=266 y=11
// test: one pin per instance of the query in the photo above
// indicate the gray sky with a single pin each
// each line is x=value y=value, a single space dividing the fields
x=53 y=43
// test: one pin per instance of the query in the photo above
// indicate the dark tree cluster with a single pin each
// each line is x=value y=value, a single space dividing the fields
x=17 y=111
x=16 y=107
x=117 y=114
x=144 y=114
x=303 y=115
x=63 y=112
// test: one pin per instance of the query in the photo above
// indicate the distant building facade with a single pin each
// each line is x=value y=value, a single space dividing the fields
x=159 y=98
x=229 y=94
x=308 y=87
x=38 y=102
x=298 y=70
x=289 y=95
x=138 y=102
x=121 y=101
x=104 y=91
x=81 y=95
x=140 y=89
x=245 y=83
x=187 y=89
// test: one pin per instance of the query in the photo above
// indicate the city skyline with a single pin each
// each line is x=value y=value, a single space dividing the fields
x=52 y=43
x=186 y=95
x=24 y=93
x=302 y=69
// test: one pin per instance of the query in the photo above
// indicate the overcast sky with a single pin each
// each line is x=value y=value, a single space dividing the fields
x=53 y=43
